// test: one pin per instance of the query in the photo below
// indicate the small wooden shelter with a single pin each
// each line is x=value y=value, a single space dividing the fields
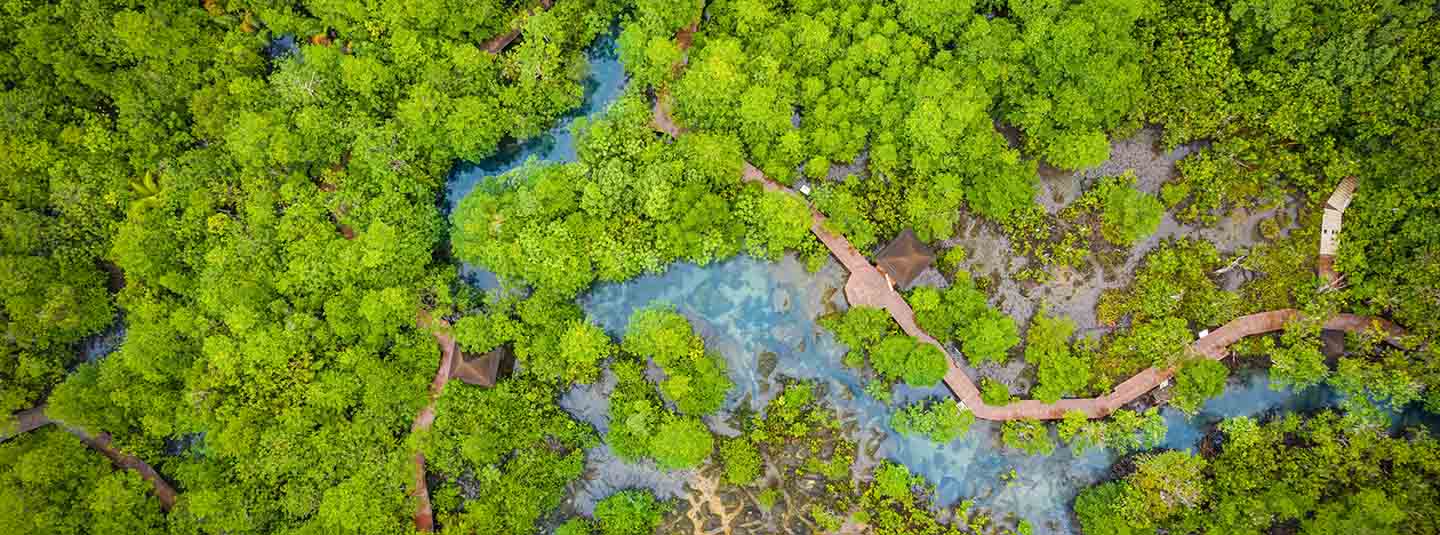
x=485 y=369
x=904 y=258
x=1330 y=224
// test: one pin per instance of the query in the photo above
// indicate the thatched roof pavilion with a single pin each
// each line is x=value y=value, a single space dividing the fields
x=904 y=258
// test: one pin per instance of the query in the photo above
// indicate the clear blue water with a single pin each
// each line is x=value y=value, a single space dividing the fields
x=745 y=307
x=604 y=82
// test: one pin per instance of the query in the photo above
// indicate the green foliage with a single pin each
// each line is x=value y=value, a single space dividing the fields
x=904 y=357
x=1297 y=362
x=1130 y=214
x=939 y=419
x=51 y=483
x=1318 y=473
x=1031 y=437
x=524 y=447
x=1123 y=432
x=860 y=327
x=635 y=411
x=777 y=221
x=846 y=214
x=742 y=461
x=629 y=512
x=1099 y=510
x=995 y=393
x=1166 y=484
x=898 y=502
x=960 y=312
x=1061 y=371
x=862 y=81
x=1175 y=281
x=575 y=526
x=1079 y=77
x=989 y=337
x=696 y=380
x=1196 y=381
x=681 y=443
x=627 y=207
x=1160 y=343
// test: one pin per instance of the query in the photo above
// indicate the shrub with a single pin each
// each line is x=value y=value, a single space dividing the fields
x=941 y=420
x=629 y=512
x=1130 y=214
x=681 y=443
x=742 y=461
x=1198 y=379
x=995 y=392
x=1029 y=436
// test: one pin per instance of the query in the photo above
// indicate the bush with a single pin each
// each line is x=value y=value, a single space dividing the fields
x=681 y=443
x=742 y=461
x=1060 y=370
x=1198 y=380
x=1130 y=214
x=941 y=420
x=575 y=526
x=903 y=357
x=989 y=337
x=994 y=392
x=629 y=512
x=1029 y=436
x=1098 y=509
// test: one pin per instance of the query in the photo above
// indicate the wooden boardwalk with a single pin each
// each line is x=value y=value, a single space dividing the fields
x=449 y=352
x=866 y=286
x=31 y=419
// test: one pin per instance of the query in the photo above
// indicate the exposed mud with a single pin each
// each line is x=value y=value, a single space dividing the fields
x=1074 y=293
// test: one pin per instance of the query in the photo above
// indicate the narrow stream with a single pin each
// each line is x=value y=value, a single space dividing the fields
x=604 y=82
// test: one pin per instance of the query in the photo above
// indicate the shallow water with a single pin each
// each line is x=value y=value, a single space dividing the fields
x=745 y=307
x=604 y=82
x=102 y=344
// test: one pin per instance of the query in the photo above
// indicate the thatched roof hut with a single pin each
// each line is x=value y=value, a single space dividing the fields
x=485 y=369
x=904 y=258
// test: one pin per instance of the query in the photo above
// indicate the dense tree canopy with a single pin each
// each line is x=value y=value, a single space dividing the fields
x=256 y=189
x=1318 y=474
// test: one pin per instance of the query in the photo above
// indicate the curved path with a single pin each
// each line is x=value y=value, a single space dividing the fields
x=31 y=419
x=449 y=351
x=866 y=286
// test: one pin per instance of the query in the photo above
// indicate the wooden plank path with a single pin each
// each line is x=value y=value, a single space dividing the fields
x=866 y=286
x=34 y=418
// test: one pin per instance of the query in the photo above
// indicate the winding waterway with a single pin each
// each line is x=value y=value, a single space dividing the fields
x=761 y=317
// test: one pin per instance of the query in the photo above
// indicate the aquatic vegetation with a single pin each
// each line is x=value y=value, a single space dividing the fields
x=1124 y=432
x=1060 y=370
x=939 y=419
x=696 y=380
x=1031 y=437
x=1197 y=380
x=266 y=200
x=960 y=313
x=995 y=392
x=1130 y=214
